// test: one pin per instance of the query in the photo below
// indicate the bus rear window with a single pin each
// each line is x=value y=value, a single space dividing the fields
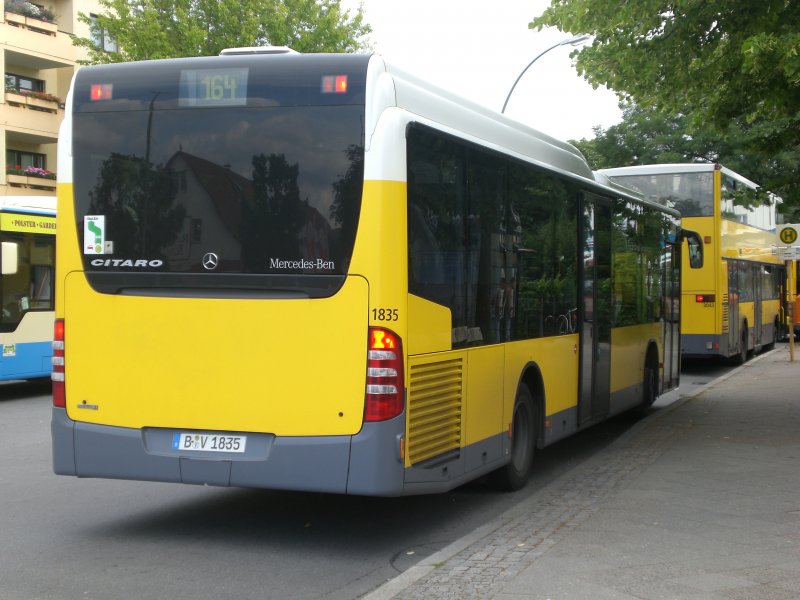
x=219 y=191
x=257 y=190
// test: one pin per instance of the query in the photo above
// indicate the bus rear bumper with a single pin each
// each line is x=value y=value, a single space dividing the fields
x=703 y=345
x=366 y=464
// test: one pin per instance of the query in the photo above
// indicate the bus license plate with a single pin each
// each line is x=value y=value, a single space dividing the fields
x=209 y=442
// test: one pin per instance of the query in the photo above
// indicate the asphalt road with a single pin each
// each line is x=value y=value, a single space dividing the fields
x=65 y=538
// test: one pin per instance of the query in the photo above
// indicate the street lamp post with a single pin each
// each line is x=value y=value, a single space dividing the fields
x=571 y=41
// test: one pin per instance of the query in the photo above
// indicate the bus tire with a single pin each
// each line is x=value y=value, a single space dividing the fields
x=514 y=475
x=650 y=381
x=775 y=330
x=741 y=357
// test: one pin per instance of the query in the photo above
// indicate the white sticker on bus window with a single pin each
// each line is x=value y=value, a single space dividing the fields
x=94 y=234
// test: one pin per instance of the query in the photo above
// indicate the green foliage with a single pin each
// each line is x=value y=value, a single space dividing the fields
x=138 y=201
x=727 y=68
x=649 y=136
x=154 y=29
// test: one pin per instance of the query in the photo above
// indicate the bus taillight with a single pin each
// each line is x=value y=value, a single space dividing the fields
x=385 y=392
x=59 y=394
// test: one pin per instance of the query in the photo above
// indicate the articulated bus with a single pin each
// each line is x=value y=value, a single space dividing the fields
x=319 y=273
x=732 y=306
x=27 y=253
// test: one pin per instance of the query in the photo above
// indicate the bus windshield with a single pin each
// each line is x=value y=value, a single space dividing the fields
x=30 y=287
x=248 y=195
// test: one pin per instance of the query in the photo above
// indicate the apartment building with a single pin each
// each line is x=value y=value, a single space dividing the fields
x=37 y=60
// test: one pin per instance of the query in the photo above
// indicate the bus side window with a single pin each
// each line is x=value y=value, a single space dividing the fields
x=41 y=289
x=695 y=248
x=10 y=259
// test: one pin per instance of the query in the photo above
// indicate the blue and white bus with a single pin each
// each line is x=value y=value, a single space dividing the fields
x=27 y=254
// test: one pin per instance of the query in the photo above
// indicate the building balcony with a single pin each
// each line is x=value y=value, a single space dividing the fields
x=31 y=116
x=15 y=182
x=31 y=24
x=35 y=44
x=34 y=102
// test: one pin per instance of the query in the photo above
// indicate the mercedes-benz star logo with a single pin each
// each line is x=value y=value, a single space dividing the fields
x=210 y=261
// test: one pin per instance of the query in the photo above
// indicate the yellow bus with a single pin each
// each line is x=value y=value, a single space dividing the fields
x=317 y=272
x=27 y=253
x=732 y=306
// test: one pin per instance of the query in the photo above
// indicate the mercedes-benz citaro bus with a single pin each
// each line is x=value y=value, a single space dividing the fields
x=317 y=272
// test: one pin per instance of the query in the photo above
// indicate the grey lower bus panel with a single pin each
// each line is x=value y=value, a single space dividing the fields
x=367 y=463
x=704 y=345
x=451 y=470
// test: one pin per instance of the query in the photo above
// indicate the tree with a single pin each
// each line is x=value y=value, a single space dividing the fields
x=139 y=203
x=731 y=66
x=153 y=29
x=649 y=136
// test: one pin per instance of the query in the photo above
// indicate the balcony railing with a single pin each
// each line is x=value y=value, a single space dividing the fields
x=31 y=23
x=29 y=115
x=30 y=182
x=33 y=100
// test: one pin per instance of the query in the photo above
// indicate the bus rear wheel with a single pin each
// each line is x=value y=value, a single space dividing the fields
x=514 y=475
x=776 y=327
x=741 y=357
x=649 y=386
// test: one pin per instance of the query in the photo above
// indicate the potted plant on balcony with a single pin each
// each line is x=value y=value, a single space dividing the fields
x=42 y=18
x=14 y=96
x=38 y=100
x=43 y=100
x=29 y=176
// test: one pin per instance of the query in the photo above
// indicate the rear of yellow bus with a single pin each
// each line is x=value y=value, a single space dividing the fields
x=212 y=327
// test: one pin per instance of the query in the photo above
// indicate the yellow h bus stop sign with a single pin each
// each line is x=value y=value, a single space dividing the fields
x=787 y=234
x=787 y=245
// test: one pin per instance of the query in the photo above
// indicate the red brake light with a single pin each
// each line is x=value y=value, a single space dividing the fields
x=101 y=91
x=385 y=398
x=334 y=84
x=704 y=298
x=59 y=393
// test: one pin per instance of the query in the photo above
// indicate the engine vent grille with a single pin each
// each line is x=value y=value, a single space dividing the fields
x=724 y=313
x=434 y=409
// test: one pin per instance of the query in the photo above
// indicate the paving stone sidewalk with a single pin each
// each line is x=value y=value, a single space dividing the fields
x=700 y=500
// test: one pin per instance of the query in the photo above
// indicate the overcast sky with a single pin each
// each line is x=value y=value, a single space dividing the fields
x=477 y=48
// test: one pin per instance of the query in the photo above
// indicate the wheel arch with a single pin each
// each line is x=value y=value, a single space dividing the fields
x=532 y=377
x=652 y=356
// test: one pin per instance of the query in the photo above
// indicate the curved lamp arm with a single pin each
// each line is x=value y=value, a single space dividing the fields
x=572 y=41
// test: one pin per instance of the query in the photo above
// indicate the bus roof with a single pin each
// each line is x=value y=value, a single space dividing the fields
x=482 y=125
x=28 y=204
x=675 y=168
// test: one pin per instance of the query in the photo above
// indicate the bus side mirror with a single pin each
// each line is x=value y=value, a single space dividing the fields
x=9 y=258
x=695 y=244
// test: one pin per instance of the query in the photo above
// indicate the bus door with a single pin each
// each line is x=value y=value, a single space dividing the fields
x=755 y=276
x=733 y=307
x=595 y=309
x=671 y=315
